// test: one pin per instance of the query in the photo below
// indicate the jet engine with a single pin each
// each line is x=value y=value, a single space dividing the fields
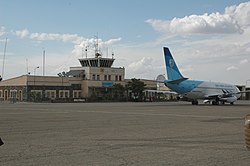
x=231 y=99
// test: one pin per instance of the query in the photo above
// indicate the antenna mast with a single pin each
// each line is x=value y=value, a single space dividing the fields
x=97 y=54
x=86 y=50
x=5 y=47
x=43 y=62
x=27 y=67
x=113 y=54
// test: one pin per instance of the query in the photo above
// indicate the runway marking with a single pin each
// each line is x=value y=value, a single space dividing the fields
x=160 y=114
x=45 y=111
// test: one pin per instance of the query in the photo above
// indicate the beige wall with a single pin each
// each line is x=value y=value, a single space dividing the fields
x=105 y=71
x=52 y=80
x=17 y=81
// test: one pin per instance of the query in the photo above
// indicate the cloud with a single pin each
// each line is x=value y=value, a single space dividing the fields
x=74 y=38
x=2 y=31
x=159 y=25
x=144 y=68
x=213 y=23
x=79 y=42
x=230 y=68
x=233 y=20
x=141 y=66
x=244 y=61
x=188 y=68
x=23 y=33
x=112 y=41
x=240 y=13
x=90 y=44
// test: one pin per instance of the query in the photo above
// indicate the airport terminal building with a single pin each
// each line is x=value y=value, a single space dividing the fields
x=95 y=76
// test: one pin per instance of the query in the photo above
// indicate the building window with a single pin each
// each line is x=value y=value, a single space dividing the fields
x=120 y=78
x=116 y=78
x=75 y=94
x=93 y=77
x=52 y=95
x=109 y=77
x=66 y=94
x=61 y=94
x=105 y=77
x=1 y=93
x=13 y=93
x=98 y=77
x=84 y=77
x=47 y=95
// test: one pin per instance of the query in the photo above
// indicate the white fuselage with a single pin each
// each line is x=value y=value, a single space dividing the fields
x=206 y=90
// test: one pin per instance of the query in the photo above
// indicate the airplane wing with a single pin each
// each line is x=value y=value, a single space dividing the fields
x=177 y=81
x=246 y=91
x=224 y=95
x=162 y=91
x=219 y=95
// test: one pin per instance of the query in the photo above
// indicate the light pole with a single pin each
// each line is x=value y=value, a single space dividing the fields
x=246 y=82
x=35 y=80
x=246 y=94
x=35 y=74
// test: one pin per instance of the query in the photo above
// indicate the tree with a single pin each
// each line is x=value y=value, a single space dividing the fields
x=137 y=87
x=119 y=90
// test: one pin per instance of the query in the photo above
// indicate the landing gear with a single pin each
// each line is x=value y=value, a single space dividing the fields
x=195 y=102
x=215 y=102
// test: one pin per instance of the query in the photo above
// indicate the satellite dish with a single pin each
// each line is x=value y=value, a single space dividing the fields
x=160 y=78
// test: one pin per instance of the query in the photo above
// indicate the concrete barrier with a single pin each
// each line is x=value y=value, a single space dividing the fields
x=1 y=142
x=247 y=131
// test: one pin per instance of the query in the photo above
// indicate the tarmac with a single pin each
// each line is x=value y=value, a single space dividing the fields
x=112 y=134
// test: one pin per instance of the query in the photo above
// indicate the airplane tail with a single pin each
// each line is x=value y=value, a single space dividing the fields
x=173 y=72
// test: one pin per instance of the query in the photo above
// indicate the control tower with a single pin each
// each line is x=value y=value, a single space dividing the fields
x=98 y=61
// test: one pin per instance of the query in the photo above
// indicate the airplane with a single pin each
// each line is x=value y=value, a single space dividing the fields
x=192 y=90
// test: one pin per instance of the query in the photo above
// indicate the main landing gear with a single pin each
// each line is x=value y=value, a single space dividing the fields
x=217 y=102
x=195 y=102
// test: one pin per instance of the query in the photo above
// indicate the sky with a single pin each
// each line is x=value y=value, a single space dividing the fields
x=209 y=39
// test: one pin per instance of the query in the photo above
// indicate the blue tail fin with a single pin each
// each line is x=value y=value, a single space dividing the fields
x=172 y=69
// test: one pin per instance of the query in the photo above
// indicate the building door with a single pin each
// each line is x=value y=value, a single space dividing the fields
x=20 y=97
x=6 y=95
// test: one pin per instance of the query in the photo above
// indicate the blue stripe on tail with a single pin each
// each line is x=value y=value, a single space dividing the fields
x=172 y=69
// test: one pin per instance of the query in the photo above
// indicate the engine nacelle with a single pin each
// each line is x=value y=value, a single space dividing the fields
x=206 y=101
x=231 y=99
